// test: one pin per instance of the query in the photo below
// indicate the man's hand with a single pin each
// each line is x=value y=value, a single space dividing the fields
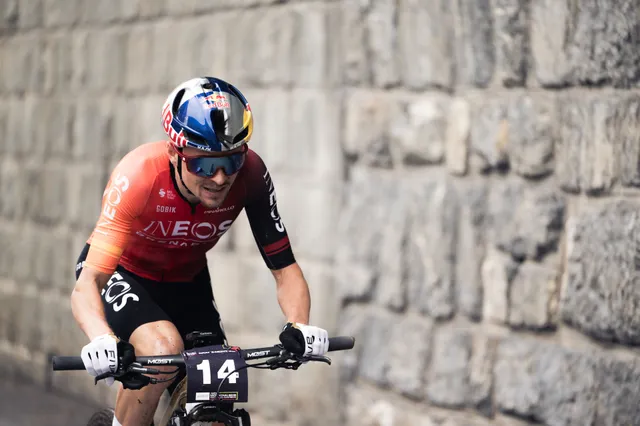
x=101 y=356
x=302 y=339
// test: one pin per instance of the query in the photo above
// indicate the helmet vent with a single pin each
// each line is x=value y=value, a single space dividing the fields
x=176 y=101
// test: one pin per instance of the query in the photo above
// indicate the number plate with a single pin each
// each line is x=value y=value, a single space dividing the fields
x=208 y=366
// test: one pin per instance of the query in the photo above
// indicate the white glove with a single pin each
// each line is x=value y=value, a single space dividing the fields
x=296 y=336
x=101 y=356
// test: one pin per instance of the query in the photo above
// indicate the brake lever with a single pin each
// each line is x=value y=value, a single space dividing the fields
x=320 y=358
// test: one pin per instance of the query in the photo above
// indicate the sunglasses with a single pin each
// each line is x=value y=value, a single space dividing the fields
x=208 y=165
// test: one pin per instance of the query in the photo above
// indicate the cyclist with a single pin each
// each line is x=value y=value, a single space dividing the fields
x=142 y=279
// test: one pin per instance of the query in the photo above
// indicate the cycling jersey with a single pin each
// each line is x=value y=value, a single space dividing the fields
x=147 y=226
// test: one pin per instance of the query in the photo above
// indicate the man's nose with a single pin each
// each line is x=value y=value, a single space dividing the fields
x=219 y=178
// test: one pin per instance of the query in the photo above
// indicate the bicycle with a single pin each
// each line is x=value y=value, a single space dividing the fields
x=201 y=396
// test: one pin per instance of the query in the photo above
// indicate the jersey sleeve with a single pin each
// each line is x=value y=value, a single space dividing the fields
x=262 y=211
x=124 y=198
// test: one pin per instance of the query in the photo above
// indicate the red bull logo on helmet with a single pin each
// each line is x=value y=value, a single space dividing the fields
x=217 y=100
x=167 y=119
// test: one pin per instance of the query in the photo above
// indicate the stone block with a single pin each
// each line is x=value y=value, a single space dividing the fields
x=622 y=129
x=533 y=296
x=28 y=239
x=100 y=12
x=498 y=270
x=85 y=185
x=376 y=353
x=448 y=376
x=144 y=8
x=311 y=136
x=457 y=136
x=425 y=42
x=601 y=290
x=353 y=319
x=24 y=69
x=139 y=50
x=411 y=345
x=208 y=50
x=299 y=202
x=481 y=380
x=272 y=34
x=62 y=13
x=9 y=306
x=28 y=318
x=105 y=58
x=597 y=145
x=358 y=247
x=526 y=219
x=431 y=245
x=50 y=192
x=54 y=139
x=228 y=291
x=419 y=131
x=263 y=313
x=369 y=29
x=511 y=26
x=618 y=392
x=15 y=128
x=30 y=13
x=53 y=261
x=474 y=54
x=532 y=134
x=381 y=44
x=92 y=129
x=550 y=21
x=545 y=383
x=571 y=45
x=355 y=71
x=9 y=14
x=368 y=118
x=312 y=52
x=471 y=246
x=13 y=185
x=489 y=135
x=163 y=64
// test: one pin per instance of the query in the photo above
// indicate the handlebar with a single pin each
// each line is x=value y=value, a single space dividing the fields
x=340 y=343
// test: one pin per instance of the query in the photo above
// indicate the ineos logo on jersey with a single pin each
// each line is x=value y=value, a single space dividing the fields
x=118 y=292
x=273 y=203
x=112 y=197
x=186 y=230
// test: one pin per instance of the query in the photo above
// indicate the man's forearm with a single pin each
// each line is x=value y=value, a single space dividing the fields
x=293 y=294
x=87 y=309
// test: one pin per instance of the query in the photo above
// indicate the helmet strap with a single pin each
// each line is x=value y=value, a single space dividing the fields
x=180 y=175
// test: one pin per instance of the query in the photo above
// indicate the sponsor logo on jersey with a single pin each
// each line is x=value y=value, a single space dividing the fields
x=220 y=210
x=165 y=209
x=111 y=199
x=184 y=233
x=273 y=203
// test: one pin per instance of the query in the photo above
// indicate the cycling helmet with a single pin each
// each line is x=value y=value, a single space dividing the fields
x=207 y=113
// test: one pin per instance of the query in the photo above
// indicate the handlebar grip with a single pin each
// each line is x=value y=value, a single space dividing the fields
x=341 y=343
x=67 y=363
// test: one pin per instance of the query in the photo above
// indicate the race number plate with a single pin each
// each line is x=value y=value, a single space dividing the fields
x=210 y=365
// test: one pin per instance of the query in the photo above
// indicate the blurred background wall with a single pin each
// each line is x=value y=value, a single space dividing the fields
x=459 y=179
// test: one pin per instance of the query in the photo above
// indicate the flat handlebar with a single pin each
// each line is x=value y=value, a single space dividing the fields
x=61 y=363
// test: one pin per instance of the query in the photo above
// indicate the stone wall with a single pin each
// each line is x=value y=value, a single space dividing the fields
x=459 y=179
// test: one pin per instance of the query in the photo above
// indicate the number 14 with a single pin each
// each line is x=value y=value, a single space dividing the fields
x=227 y=367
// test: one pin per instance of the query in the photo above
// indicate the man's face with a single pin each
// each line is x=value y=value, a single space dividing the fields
x=211 y=191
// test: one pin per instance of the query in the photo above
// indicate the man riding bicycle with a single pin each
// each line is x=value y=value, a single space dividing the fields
x=142 y=279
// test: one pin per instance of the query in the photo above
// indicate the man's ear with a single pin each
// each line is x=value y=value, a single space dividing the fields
x=173 y=157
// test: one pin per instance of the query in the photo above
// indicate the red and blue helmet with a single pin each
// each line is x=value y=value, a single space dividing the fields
x=207 y=113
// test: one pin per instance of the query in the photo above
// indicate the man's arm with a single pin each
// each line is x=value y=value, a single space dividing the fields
x=293 y=293
x=86 y=303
